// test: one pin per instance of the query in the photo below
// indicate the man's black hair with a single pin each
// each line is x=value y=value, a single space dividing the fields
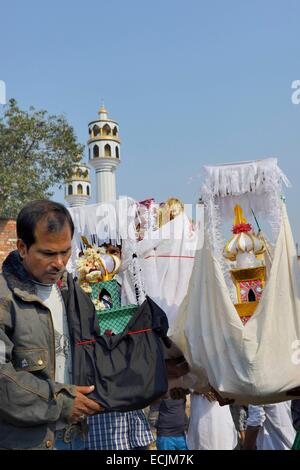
x=56 y=215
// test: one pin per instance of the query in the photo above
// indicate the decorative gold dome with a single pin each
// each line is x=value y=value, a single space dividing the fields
x=95 y=265
x=102 y=110
x=108 y=267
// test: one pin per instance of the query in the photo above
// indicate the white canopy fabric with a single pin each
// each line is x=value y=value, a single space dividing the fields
x=255 y=185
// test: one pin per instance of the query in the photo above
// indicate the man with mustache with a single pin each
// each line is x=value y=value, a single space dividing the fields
x=39 y=406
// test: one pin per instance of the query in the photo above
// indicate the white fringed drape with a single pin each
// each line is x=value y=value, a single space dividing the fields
x=112 y=222
x=256 y=186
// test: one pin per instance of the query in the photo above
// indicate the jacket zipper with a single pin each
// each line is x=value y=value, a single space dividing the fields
x=53 y=341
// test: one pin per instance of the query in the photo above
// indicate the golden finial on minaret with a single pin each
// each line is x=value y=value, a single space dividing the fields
x=102 y=109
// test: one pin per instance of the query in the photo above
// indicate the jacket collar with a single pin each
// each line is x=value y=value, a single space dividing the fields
x=16 y=275
x=18 y=279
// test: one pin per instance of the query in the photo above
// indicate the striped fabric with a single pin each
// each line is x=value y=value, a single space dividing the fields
x=119 y=431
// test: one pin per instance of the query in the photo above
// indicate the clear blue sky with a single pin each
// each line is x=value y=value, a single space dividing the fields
x=190 y=83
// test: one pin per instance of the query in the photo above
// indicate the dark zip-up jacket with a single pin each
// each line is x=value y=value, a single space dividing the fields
x=31 y=402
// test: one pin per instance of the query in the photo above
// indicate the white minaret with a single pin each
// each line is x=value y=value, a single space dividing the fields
x=78 y=186
x=104 y=154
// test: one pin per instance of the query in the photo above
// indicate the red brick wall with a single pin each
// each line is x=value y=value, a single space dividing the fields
x=8 y=238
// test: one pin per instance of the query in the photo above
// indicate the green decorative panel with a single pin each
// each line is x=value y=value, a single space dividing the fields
x=114 y=319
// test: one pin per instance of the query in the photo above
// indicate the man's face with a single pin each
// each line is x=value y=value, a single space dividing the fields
x=46 y=259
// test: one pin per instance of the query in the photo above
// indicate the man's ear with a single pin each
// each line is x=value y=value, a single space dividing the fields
x=22 y=248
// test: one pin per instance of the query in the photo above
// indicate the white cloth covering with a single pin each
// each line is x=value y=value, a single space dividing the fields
x=167 y=259
x=276 y=432
x=211 y=426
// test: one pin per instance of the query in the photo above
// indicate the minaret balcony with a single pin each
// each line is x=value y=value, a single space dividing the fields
x=75 y=200
x=76 y=179
x=99 y=137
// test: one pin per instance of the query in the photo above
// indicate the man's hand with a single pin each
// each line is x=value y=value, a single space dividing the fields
x=294 y=392
x=222 y=401
x=178 y=393
x=84 y=406
x=210 y=396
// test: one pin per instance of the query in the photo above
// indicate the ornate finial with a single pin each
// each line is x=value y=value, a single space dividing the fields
x=239 y=216
x=102 y=109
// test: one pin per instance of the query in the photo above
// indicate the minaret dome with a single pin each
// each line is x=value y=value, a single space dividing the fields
x=78 y=186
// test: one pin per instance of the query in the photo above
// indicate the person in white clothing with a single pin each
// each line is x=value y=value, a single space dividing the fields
x=211 y=426
x=269 y=427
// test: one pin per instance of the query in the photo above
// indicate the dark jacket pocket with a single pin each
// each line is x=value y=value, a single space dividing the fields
x=30 y=359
